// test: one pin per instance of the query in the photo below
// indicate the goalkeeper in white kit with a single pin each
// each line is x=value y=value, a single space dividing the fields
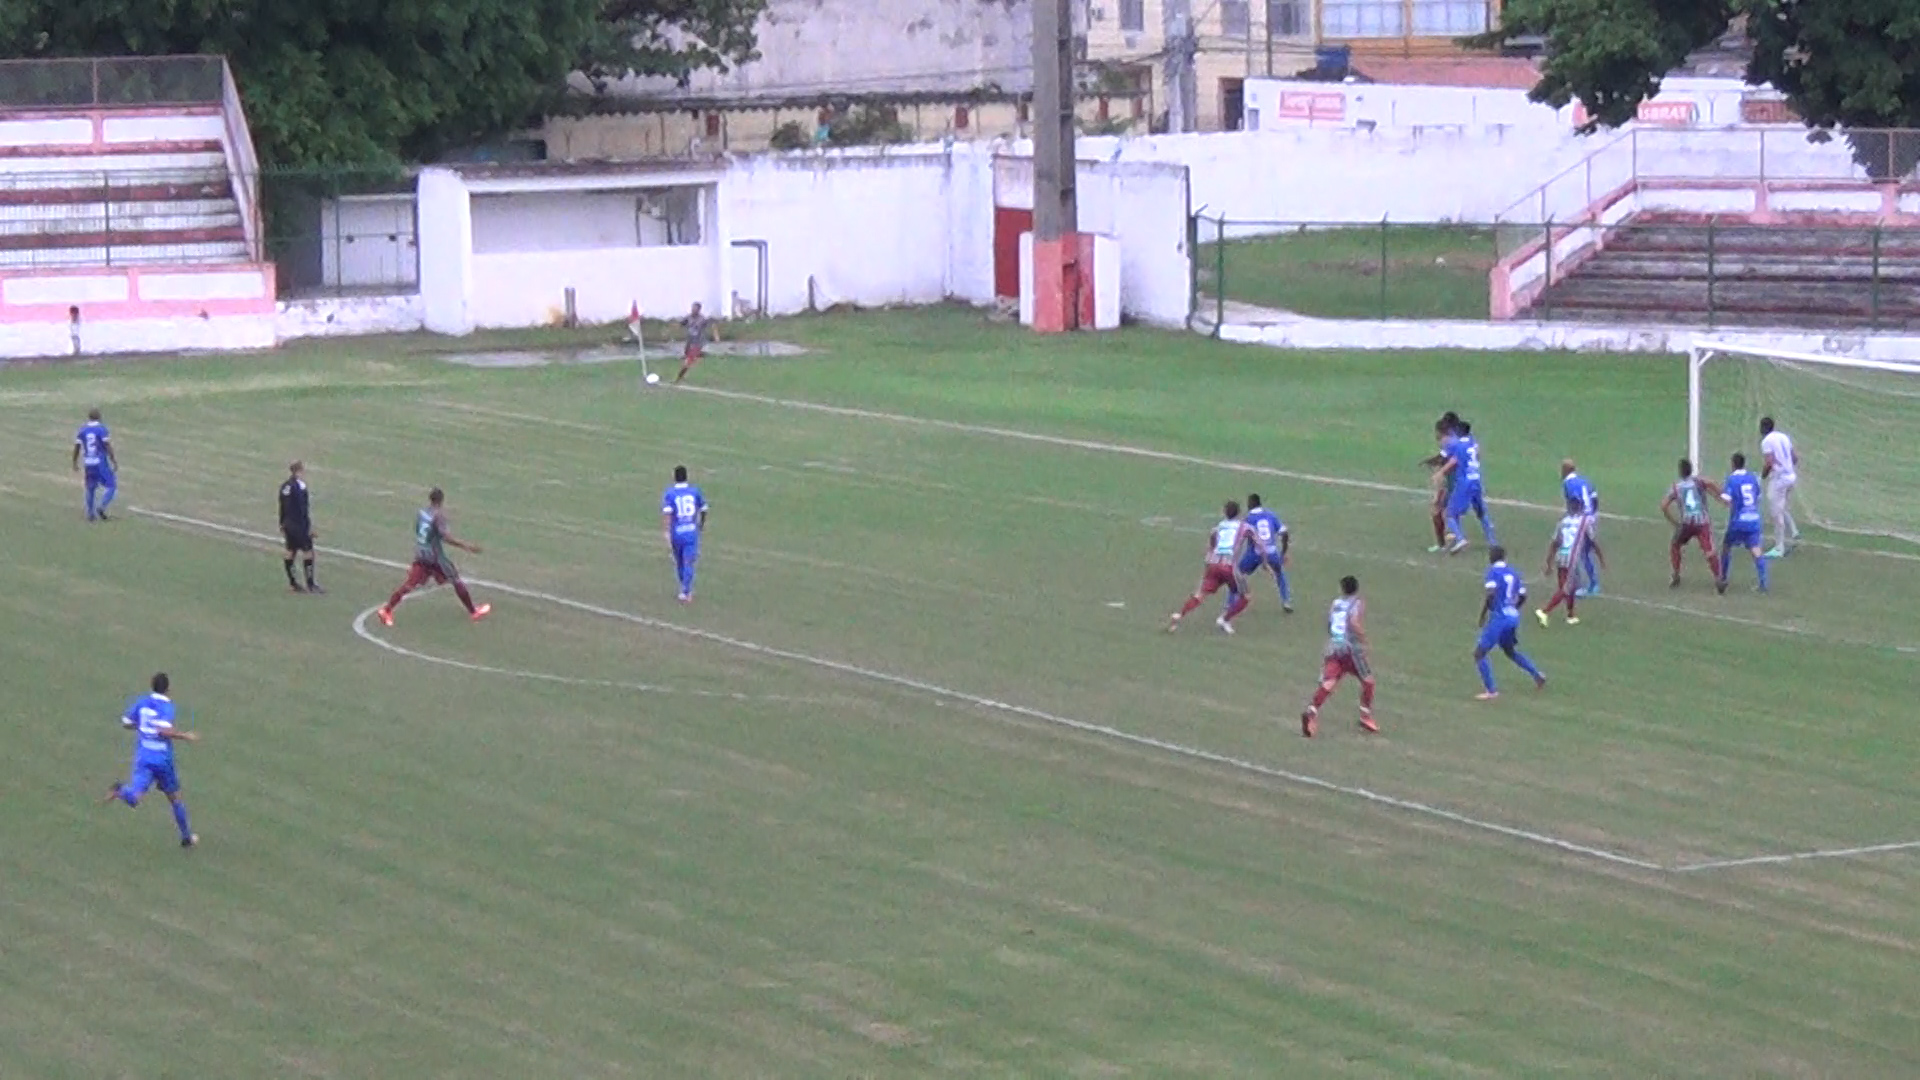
x=1780 y=467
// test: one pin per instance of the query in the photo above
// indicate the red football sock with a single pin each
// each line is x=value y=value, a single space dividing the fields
x=1193 y=601
x=1555 y=602
x=1239 y=605
x=460 y=590
x=1675 y=553
x=399 y=594
x=1320 y=696
x=1366 y=697
x=1439 y=527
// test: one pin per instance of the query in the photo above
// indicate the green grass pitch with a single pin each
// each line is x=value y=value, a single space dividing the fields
x=918 y=787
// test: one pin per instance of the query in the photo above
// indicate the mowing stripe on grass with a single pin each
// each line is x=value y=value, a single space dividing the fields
x=1096 y=446
x=1906 y=650
x=1082 y=726
x=962 y=697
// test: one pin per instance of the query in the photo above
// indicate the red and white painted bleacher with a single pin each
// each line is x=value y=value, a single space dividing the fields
x=131 y=229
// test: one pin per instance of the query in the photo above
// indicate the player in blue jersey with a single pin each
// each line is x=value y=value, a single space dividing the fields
x=683 y=517
x=1741 y=492
x=1271 y=543
x=1463 y=460
x=151 y=720
x=1500 y=622
x=93 y=448
x=1582 y=497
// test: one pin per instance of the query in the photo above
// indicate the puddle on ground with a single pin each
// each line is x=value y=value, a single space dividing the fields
x=614 y=354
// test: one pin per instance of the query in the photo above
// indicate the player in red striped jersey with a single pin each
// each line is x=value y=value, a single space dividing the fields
x=1690 y=497
x=1346 y=654
x=1222 y=571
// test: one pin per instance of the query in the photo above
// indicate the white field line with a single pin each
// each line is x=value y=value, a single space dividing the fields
x=1799 y=856
x=962 y=697
x=1168 y=522
x=360 y=630
x=1082 y=726
x=1095 y=446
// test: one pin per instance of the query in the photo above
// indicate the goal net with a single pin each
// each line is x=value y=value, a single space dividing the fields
x=1854 y=422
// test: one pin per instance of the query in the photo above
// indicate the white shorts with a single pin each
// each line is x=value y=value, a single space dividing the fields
x=1778 y=490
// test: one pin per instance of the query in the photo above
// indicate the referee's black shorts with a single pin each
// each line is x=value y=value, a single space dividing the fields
x=298 y=540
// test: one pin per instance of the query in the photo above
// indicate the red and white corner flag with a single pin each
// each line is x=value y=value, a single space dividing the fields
x=633 y=320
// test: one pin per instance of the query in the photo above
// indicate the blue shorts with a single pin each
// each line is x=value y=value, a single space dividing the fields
x=152 y=774
x=1254 y=560
x=686 y=549
x=1742 y=536
x=1467 y=496
x=100 y=476
x=1501 y=632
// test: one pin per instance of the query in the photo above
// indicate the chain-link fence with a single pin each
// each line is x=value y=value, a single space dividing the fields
x=117 y=82
x=327 y=232
x=341 y=232
x=1657 y=269
x=1343 y=271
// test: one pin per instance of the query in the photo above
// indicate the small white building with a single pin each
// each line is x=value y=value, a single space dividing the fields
x=506 y=245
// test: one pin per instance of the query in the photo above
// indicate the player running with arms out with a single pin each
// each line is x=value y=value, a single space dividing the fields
x=700 y=330
x=431 y=536
x=1780 y=467
x=1269 y=548
x=683 y=518
x=1581 y=495
x=1346 y=654
x=296 y=527
x=1224 y=544
x=1685 y=508
x=1569 y=540
x=1742 y=493
x=1500 y=622
x=93 y=448
x=1443 y=481
x=151 y=720
x=1463 y=460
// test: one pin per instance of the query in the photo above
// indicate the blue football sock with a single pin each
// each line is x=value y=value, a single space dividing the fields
x=110 y=490
x=1593 y=575
x=1486 y=673
x=1286 y=592
x=92 y=489
x=1453 y=527
x=1526 y=665
x=1726 y=554
x=180 y=819
x=1760 y=566
x=1486 y=526
x=128 y=797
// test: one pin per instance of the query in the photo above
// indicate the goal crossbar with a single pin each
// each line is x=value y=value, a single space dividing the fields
x=1706 y=349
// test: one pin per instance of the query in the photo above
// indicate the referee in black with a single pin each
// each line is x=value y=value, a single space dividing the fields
x=296 y=525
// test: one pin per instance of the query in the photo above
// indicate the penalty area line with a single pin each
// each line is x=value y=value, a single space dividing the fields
x=986 y=704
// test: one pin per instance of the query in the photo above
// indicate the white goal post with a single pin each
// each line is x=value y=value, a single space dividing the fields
x=1855 y=424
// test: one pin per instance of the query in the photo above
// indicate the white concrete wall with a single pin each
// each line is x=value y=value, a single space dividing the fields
x=857 y=228
x=529 y=288
x=446 y=252
x=115 y=336
x=809 y=47
x=1547 y=337
x=584 y=220
x=350 y=316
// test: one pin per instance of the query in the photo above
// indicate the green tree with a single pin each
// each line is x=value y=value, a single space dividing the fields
x=375 y=82
x=1850 y=65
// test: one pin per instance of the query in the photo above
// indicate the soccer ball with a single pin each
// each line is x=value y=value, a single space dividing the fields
x=653 y=378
